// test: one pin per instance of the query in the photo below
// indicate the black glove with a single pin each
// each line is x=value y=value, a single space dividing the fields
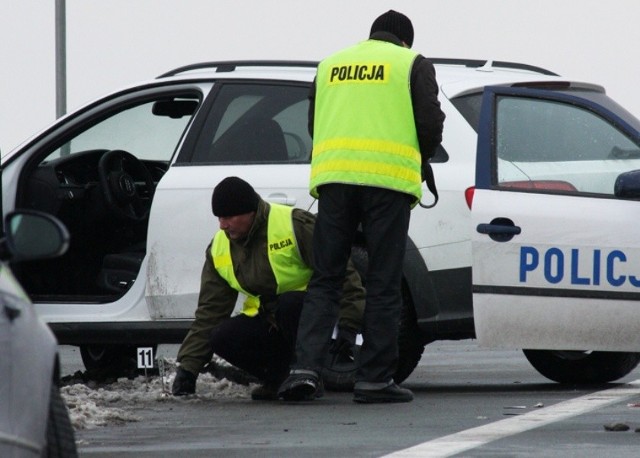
x=343 y=345
x=268 y=308
x=184 y=383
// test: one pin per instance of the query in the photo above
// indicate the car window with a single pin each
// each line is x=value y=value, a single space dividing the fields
x=149 y=131
x=551 y=145
x=469 y=107
x=256 y=123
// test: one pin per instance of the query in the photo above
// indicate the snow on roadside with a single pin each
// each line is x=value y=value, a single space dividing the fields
x=93 y=405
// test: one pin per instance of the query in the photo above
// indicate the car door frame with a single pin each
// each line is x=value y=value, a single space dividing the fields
x=567 y=318
x=76 y=322
x=173 y=282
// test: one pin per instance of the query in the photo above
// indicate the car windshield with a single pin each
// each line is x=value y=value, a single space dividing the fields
x=151 y=131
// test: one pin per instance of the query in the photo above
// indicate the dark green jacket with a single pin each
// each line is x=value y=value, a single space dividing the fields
x=251 y=265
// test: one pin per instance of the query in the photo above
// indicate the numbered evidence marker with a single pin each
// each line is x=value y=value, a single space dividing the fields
x=145 y=357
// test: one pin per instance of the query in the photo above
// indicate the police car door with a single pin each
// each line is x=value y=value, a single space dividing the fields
x=556 y=246
x=254 y=130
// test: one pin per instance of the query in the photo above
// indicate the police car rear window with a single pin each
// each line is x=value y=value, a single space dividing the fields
x=469 y=107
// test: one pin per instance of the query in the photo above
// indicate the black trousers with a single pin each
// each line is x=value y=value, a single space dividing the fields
x=384 y=215
x=259 y=345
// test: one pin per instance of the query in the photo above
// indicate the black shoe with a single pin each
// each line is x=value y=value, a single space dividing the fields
x=391 y=393
x=265 y=392
x=184 y=383
x=301 y=385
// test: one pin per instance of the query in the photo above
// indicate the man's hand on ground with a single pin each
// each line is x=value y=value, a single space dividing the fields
x=184 y=383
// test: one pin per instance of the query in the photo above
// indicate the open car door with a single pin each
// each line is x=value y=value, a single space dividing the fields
x=556 y=250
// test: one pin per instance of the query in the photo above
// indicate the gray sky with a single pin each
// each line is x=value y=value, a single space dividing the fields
x=116 y=42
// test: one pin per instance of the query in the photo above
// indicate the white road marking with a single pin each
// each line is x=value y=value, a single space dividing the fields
x=477 y=437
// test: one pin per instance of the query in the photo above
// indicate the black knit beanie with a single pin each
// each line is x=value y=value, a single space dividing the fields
x=395 y=23
x=233 y=196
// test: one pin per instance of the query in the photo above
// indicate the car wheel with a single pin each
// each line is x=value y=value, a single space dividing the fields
x=339 y=373
x=111 y=359
x=582 y=367
x=61 y=441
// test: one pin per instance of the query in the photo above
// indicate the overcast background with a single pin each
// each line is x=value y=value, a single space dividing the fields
x=112 y=43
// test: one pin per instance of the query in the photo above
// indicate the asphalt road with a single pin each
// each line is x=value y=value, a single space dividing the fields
x=469 y=402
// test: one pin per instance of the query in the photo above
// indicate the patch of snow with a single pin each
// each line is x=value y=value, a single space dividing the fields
x=93 y=405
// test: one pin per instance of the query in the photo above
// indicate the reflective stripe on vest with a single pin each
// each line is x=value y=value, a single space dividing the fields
x=364 y=129
x=290 y=271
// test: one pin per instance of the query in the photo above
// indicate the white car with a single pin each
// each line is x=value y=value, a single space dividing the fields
x=131 y=175
x=34 y=420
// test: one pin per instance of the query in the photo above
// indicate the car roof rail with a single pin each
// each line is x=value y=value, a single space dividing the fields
x=231 y=65
x=488 y=64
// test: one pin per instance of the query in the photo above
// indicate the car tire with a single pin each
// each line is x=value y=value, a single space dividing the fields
x=580 y=367
x=61 y=441
x=339 y=374
x=111 y=359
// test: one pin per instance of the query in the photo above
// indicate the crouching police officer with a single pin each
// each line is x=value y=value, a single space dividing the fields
x=264 y=251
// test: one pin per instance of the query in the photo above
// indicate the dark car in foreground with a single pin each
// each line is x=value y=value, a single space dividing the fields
x=34 y=420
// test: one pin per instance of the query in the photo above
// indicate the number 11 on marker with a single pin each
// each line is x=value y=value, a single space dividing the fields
x=145 y=358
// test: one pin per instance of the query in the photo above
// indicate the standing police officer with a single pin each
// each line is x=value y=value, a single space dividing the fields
x=263 y=251
x=374 y=117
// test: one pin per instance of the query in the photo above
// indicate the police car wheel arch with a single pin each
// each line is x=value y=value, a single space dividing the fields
x=573 y=367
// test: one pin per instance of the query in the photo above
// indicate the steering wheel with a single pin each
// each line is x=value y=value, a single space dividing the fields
x=115 y=169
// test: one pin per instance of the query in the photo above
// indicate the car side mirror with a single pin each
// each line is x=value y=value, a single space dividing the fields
x=627 y=185
x=34 y=235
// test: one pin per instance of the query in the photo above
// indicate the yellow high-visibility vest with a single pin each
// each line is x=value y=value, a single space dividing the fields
x=364 y=130
x=290 y=271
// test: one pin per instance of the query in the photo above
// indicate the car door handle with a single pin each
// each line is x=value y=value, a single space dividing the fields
x=281 y=198
x=500 y=229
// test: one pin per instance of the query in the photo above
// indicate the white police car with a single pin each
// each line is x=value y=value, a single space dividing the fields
x=131 y=175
